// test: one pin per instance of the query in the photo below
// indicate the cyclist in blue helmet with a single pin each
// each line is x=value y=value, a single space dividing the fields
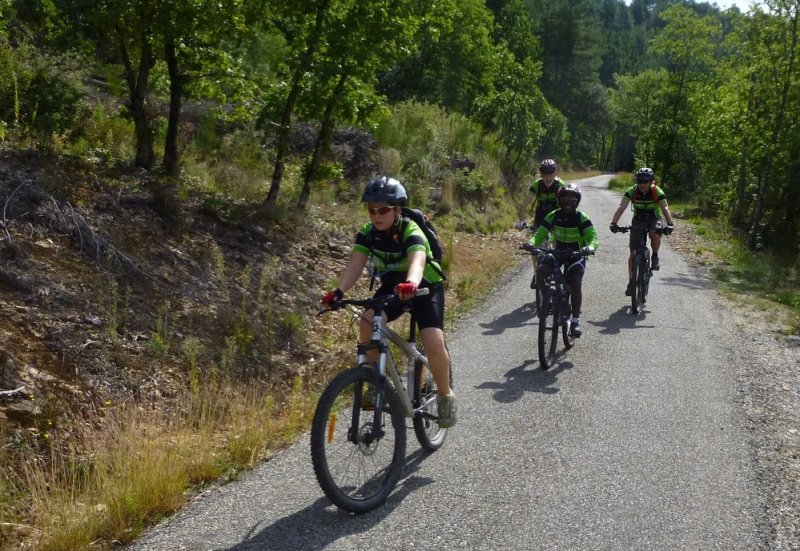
x=401 y=255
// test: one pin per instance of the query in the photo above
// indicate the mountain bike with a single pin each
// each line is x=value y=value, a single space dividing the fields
x=358 y=434
x=640 y=267
x=555 y=308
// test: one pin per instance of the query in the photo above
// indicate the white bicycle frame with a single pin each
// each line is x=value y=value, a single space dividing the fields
x=386 y=364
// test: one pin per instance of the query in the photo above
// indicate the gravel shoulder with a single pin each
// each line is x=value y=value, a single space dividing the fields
x=769 y=391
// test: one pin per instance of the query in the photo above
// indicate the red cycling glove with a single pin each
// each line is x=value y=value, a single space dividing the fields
x=405 y=290
x=332 y=296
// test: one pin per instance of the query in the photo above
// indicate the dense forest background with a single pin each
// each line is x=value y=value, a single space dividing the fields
x=460 y=98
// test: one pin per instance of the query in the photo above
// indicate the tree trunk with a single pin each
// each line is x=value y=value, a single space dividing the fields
x=137 y=89
x=171 y=166
x=777 y=130
x=322 y=144
x=284 y=129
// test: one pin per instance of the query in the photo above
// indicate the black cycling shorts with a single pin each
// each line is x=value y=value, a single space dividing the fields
x=428 y=310
x=639 y=225
x=548 y=263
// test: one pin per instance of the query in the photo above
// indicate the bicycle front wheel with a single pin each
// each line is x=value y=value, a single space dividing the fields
x=357 y=462
x=636 y=297
x=548 y=332
x=642 y=282
x=430 y=435
x=566 y=310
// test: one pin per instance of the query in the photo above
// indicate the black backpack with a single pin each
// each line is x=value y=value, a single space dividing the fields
x=435 y=242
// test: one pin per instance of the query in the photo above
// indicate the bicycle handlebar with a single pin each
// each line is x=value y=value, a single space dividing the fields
x=561 y=253
x=371 y=302
x=626 y=229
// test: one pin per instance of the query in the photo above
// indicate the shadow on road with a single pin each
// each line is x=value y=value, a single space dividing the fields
x=520 y=380
x=516 y=318
x=621 y=320
x=321 y=523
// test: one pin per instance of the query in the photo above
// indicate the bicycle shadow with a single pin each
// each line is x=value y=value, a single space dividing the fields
x=622 y=320
x=520 y=380
x=321 y=523
x=516 y=318
x=686 y=281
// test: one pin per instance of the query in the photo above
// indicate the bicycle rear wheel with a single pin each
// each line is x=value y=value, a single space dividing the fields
x=355 y=466
x=548 y=332
x=430 y=435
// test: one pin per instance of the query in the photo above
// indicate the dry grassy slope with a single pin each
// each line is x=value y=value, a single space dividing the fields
x=88 y=255
x=91 y=272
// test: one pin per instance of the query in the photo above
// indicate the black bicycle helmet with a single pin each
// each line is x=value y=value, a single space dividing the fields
x=385 y=190
x=548 y=166
x=570 y=190
x=645 y=175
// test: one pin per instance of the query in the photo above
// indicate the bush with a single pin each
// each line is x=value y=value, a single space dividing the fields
x=40 y=94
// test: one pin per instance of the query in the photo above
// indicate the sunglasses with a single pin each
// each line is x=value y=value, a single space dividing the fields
x=379 y=210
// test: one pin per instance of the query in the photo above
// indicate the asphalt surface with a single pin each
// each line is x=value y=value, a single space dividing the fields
x=633 y=440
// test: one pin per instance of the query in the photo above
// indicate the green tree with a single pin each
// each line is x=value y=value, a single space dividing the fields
x=570 y=34
x=687 y=46
x=196 y=37
x=344 y=81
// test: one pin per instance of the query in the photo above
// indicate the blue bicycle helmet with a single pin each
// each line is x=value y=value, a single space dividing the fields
x=385 y=190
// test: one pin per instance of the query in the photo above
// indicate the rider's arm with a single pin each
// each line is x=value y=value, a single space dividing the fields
x=523 y=209
x=620 y=209
x=590 y=237
x=540 y=236
x=353 y=270
x=416 y=266
x=665 y=211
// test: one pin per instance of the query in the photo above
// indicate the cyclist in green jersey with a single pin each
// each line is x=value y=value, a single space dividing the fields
x=543 y=193
x=647 y=200
x=572 y=230
x=402 y=258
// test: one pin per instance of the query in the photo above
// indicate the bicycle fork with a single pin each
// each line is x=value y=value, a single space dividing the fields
x=354 y=433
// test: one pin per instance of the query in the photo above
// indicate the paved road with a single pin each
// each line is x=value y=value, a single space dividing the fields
x=633 y=440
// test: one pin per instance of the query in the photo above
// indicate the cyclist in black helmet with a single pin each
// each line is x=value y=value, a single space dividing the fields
x=572 y=230
x=647 y=199
x=543 y=193
x=402 y=259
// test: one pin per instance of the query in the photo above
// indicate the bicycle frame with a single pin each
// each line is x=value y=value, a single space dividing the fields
x=640 y=269
x=386 y=364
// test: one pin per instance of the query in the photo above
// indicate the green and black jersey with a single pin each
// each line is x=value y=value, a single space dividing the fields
x=573 y=231
x=390 y=250
x=645 y=205
x=546 y=198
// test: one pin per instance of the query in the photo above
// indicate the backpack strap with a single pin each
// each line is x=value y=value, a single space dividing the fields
x=428 y=257
x=402 y=228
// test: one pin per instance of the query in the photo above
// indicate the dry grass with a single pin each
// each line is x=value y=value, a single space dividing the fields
x=135 y=468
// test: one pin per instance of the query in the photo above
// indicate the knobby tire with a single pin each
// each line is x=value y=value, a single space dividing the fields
x=636 y=297
x=430 y=435
x=357 y=476
x=566 y=311
x=548 y=332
